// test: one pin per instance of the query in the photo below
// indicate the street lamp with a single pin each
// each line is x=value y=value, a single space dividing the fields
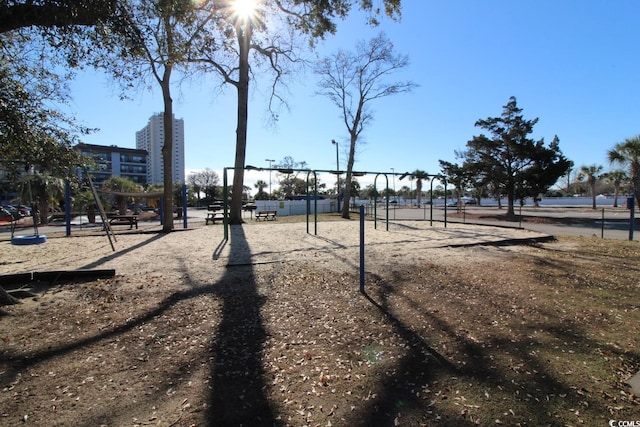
x=333 y=141
x=270 y=162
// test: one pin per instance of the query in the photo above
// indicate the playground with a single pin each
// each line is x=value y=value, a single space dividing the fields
x=458 y=325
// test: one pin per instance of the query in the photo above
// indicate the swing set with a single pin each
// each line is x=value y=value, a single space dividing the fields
x=315 y=172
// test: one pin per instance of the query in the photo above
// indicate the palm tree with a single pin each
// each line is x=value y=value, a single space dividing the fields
x=261 y=194
x=457 y=176
x=627 y=153
x=419 y=176
x=118 y=184
x=591 y=174
x=617 y=178
x=44 y=189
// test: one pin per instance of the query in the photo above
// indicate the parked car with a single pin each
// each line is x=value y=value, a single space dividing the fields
x=465 y=201
x=12 y=211
x=24 y=210
x=5 y=215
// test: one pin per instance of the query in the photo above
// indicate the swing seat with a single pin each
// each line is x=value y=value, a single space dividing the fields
x=28 y=240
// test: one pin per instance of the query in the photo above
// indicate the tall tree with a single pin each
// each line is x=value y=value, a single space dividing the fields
x=261 y=194
x=44 y=190
x=591 y=174
x=205 y=181
x=66 y=14
x=353 y=80
x=548 y=166
x=290 y=183
x=163 y=36
x=419 y=176
x=33 y=132
x=194 y=187
x=616 y=178
x=264 y=31
x=41 y=43
x=627 y=154
x=456 y=175
x=524 y=167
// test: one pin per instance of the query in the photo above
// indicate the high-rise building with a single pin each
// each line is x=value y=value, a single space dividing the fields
x=151 y=139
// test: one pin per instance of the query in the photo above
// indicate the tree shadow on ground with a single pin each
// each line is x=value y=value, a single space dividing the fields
x=536 y=390
x=239 y=392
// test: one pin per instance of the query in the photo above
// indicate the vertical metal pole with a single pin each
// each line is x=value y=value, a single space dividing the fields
x=375 y=209
x=225 y=204
x=602 y=226
x=387 y=186
x=67 y=207
x=362 y=249
x=333 y=141
x=632 y=221
x=431 y=205
x=184 y=205
x=520 y=223
x=375 y=200
x=445 y=203
x=315 y=203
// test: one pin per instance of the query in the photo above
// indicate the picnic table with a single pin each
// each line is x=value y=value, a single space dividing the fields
x=213 y=216
x=129 y=220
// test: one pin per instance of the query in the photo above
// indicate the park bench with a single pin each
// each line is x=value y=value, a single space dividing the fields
x=213 y=216
x=266 y=215
x=129 y=220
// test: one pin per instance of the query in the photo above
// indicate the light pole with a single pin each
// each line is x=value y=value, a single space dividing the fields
x=333 y=141
x=393 y=172
x=270 y=162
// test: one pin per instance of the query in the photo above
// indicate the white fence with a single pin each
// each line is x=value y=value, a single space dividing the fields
x=295 y=207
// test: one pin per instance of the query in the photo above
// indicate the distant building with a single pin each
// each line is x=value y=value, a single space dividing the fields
x=115 y=161
x=151 y=139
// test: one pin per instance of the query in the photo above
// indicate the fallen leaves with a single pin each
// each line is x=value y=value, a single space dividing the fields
x=533 y=333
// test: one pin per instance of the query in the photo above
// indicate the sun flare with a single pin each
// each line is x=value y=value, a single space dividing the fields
x=245 y=8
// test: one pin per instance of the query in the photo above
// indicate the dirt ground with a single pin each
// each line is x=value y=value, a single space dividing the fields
x=459 y=326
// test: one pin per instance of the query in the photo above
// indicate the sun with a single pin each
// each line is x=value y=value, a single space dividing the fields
x=245 y=8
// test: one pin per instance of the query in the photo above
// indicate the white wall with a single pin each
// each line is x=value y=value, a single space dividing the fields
x=295 y=207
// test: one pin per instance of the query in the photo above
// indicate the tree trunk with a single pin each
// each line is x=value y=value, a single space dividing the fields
x=636 y=190
x=510 y=204
x=43 y=211
x=5 y=298
x=347 y=184
x=167 y=151
x=244 y=37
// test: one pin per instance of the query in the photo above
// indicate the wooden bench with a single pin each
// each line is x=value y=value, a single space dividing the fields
x=213 y=216
x=266 y=215
x=129 y=220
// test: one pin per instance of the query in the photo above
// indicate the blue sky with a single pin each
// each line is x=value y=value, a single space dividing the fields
x=573 y=64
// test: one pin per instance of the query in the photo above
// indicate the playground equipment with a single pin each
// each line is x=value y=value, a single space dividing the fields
x=315 y=193
x=35 y=239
